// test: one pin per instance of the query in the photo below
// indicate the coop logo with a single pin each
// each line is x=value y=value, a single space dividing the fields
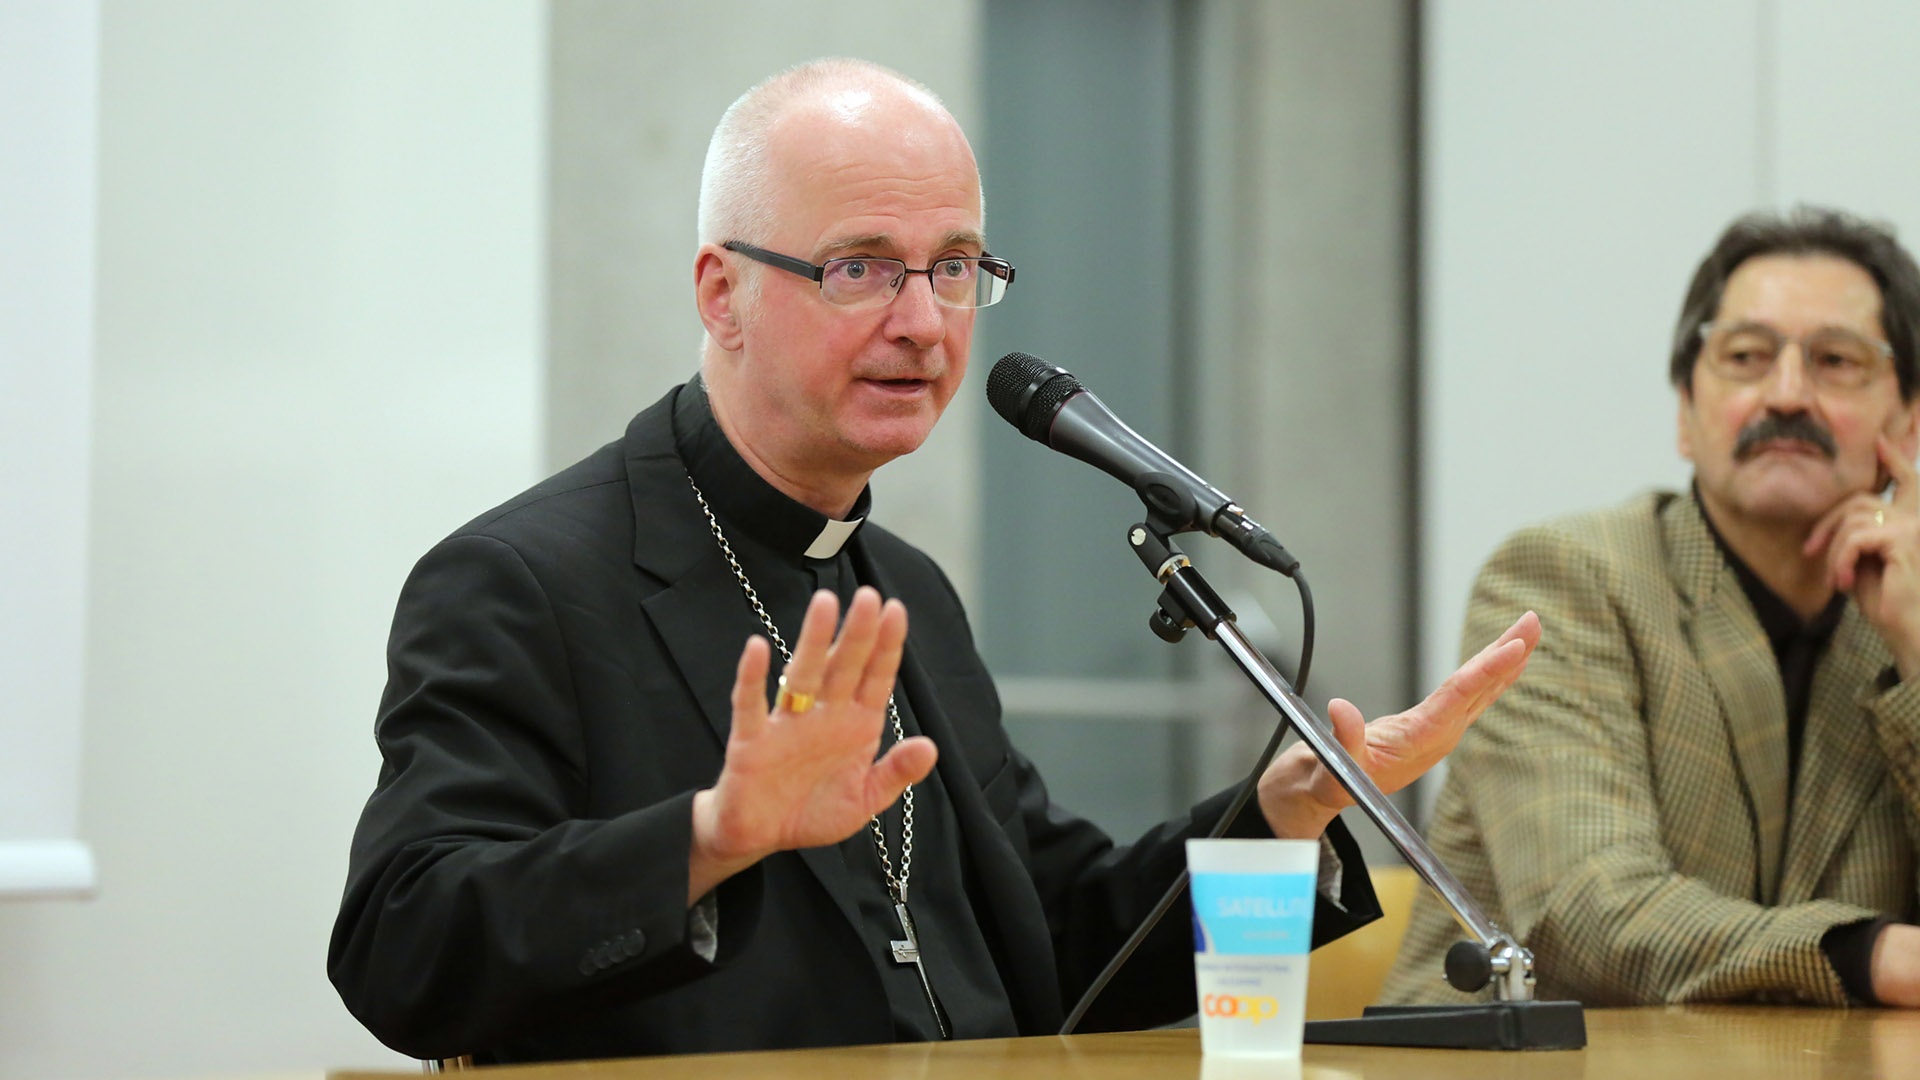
x=1239 y=1007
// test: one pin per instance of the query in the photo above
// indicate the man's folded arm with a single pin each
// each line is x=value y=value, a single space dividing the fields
x=1561 y=778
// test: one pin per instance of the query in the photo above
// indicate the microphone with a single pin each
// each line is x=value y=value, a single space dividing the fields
x=1050 y=406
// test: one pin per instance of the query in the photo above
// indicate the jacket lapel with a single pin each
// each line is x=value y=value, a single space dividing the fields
x=1841 y=763
x=671 y=543
x=1739 y=663
x=701 y=615
x=700 y=638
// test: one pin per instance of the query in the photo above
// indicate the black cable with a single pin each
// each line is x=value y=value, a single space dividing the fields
x=1247 y=789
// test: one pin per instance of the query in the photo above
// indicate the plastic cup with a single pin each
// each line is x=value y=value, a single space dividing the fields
x=1253 y=904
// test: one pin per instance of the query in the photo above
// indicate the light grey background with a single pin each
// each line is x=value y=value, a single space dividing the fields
x=362 y=270
x=318 y=317
x=49 y=85
x=1578 y=161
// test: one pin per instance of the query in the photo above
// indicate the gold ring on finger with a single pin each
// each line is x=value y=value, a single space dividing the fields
x=1880 y=516
x=792 y=701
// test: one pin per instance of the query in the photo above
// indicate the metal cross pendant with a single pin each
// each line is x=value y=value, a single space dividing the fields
x=908 y=952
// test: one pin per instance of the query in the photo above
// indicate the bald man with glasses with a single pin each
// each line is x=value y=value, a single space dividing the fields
x=605 y=828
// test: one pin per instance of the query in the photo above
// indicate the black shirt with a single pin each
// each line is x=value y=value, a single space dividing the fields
x=1797 y=643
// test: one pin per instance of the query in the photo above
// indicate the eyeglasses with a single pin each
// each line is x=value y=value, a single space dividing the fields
x=863 y=282
x=1833 y=358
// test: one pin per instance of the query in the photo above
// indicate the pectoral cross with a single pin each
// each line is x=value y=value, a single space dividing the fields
x=908 y=952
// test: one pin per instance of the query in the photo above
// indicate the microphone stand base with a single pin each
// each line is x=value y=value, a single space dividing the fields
x=1494 y=1025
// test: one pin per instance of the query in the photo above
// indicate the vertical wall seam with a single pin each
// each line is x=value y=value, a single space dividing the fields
x=1413 y=288
x=1765 y=111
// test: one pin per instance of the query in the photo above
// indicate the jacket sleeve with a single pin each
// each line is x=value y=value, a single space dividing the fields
x=1894 y=711
x=480 y=900
x=1559 y=778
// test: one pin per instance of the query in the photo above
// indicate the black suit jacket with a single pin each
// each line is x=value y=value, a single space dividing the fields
x=558 y=688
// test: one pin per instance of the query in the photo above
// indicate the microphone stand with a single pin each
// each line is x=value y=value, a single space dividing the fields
x=1514 y=1021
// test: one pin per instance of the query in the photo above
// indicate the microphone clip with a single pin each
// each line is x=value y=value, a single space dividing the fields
x=1170 y=503
x=1187 y=601
x=1171 y=508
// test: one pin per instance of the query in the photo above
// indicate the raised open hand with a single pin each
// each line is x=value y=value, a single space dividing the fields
x=802 y=777
x=1300 y=795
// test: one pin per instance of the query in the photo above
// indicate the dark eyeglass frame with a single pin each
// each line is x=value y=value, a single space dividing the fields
x=817 y=272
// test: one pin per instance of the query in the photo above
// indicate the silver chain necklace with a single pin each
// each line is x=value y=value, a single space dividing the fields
x=896 y=886
x=906 y=950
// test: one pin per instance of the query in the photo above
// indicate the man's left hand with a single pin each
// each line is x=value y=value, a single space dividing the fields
x=1300 y=796
x=1873 y=551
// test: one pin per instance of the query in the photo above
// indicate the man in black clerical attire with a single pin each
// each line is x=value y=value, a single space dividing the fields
x=593 y=836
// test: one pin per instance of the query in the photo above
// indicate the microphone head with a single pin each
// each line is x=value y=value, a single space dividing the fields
x=1027 y=392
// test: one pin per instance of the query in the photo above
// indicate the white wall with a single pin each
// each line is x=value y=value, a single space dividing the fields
x=48 y=78
x=319 y=326
x=1579 y=160
x=637 y=88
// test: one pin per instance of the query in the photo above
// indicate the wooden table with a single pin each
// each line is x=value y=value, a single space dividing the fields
x=1714 y=1042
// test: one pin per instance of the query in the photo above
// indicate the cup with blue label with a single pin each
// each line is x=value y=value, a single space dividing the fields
x=1252 y=928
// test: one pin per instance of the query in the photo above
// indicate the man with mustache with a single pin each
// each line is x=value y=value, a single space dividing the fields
x=593 y=836
x=1709 y=787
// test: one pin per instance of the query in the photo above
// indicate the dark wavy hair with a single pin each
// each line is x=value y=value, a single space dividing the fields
x=1806 y=230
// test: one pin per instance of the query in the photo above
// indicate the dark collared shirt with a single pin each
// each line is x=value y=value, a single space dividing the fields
x=1798 y=644
x=788 y=551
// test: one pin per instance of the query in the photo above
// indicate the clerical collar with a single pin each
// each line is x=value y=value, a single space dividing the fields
x=743 y=499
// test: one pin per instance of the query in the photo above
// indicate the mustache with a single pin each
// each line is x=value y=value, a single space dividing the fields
x=1774 y=427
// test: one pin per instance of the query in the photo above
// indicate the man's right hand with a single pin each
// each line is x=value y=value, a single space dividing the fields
x=1896 y=966
x=808 y=779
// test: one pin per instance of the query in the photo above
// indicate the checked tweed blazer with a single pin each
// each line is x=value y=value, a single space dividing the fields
x=1624 y=808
